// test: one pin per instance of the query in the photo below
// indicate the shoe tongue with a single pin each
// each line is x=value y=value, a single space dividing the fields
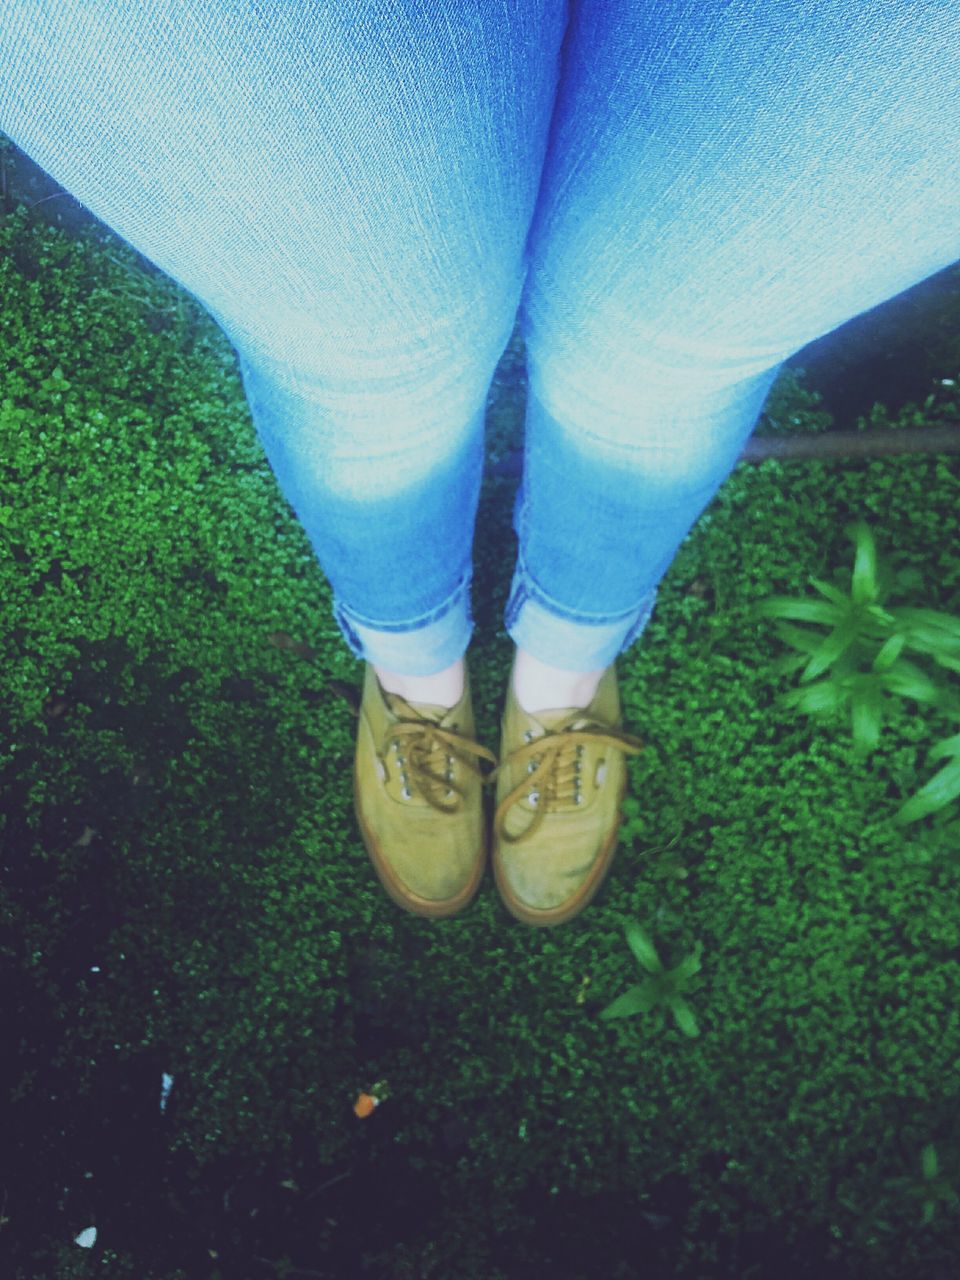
x=550 y=720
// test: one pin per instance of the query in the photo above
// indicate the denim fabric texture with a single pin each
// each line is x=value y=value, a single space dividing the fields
x=673 y=196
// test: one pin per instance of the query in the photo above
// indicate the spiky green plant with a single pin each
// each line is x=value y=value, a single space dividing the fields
x=930 y=1189
x=864 y=652
x=663 y=987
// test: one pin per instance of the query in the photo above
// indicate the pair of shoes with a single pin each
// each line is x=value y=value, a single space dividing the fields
x=560 y=786
x=418 y=798
x=417 y=789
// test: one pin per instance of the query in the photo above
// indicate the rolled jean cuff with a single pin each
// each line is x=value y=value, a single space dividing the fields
x=422 y=647
x=561 y=638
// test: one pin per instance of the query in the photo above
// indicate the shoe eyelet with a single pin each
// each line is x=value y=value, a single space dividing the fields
x=528 y=735
x=405 y=792
x=533 y=797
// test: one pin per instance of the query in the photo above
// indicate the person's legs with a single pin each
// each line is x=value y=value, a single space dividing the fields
x=347 y=188
x=725 y=182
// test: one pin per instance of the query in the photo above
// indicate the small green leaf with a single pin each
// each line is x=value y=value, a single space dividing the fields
x=815 y=699
x=788 y=665
x=835 y=645
x=880 y=615
x=930 y=624
x=867 y=716
x=928 y=1158
x=806 y=641
x=642 y=947
x=935 y=795
x=684 y=1017
x=946 y=747
x=639 y=999
x=690 y=964
x=907 y=680
x=890 y=651
x=798 y=610
x=934 y=634
x=832 y=593
x=865 y=564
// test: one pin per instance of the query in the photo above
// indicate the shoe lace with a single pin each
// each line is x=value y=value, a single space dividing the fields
x=554 y=776
x=427 y=753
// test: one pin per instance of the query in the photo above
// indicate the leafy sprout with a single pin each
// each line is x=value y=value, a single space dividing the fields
x=865 y=648
x=663 y=987
x=930 y=1189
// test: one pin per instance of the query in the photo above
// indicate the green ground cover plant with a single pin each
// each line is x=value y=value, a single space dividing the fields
x=185 y=897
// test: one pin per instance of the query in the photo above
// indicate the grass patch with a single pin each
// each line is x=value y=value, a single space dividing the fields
x=184 y=889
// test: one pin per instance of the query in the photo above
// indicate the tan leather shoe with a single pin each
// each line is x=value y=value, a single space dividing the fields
x=417 y=790
x=560 y=785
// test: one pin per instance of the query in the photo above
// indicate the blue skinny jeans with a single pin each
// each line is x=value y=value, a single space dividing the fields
x=674 y=195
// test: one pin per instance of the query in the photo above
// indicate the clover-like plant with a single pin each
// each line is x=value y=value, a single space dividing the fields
x=932 y=1188
x=663 y=987
x=864 y=649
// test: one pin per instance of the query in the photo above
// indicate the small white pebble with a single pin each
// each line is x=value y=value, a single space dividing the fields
x=948 y=382
x=94 y=968
x=166 y=1084
x=87 y=1238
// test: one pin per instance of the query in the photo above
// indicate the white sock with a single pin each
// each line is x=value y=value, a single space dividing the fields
x=537 y=686
x=444 y=689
